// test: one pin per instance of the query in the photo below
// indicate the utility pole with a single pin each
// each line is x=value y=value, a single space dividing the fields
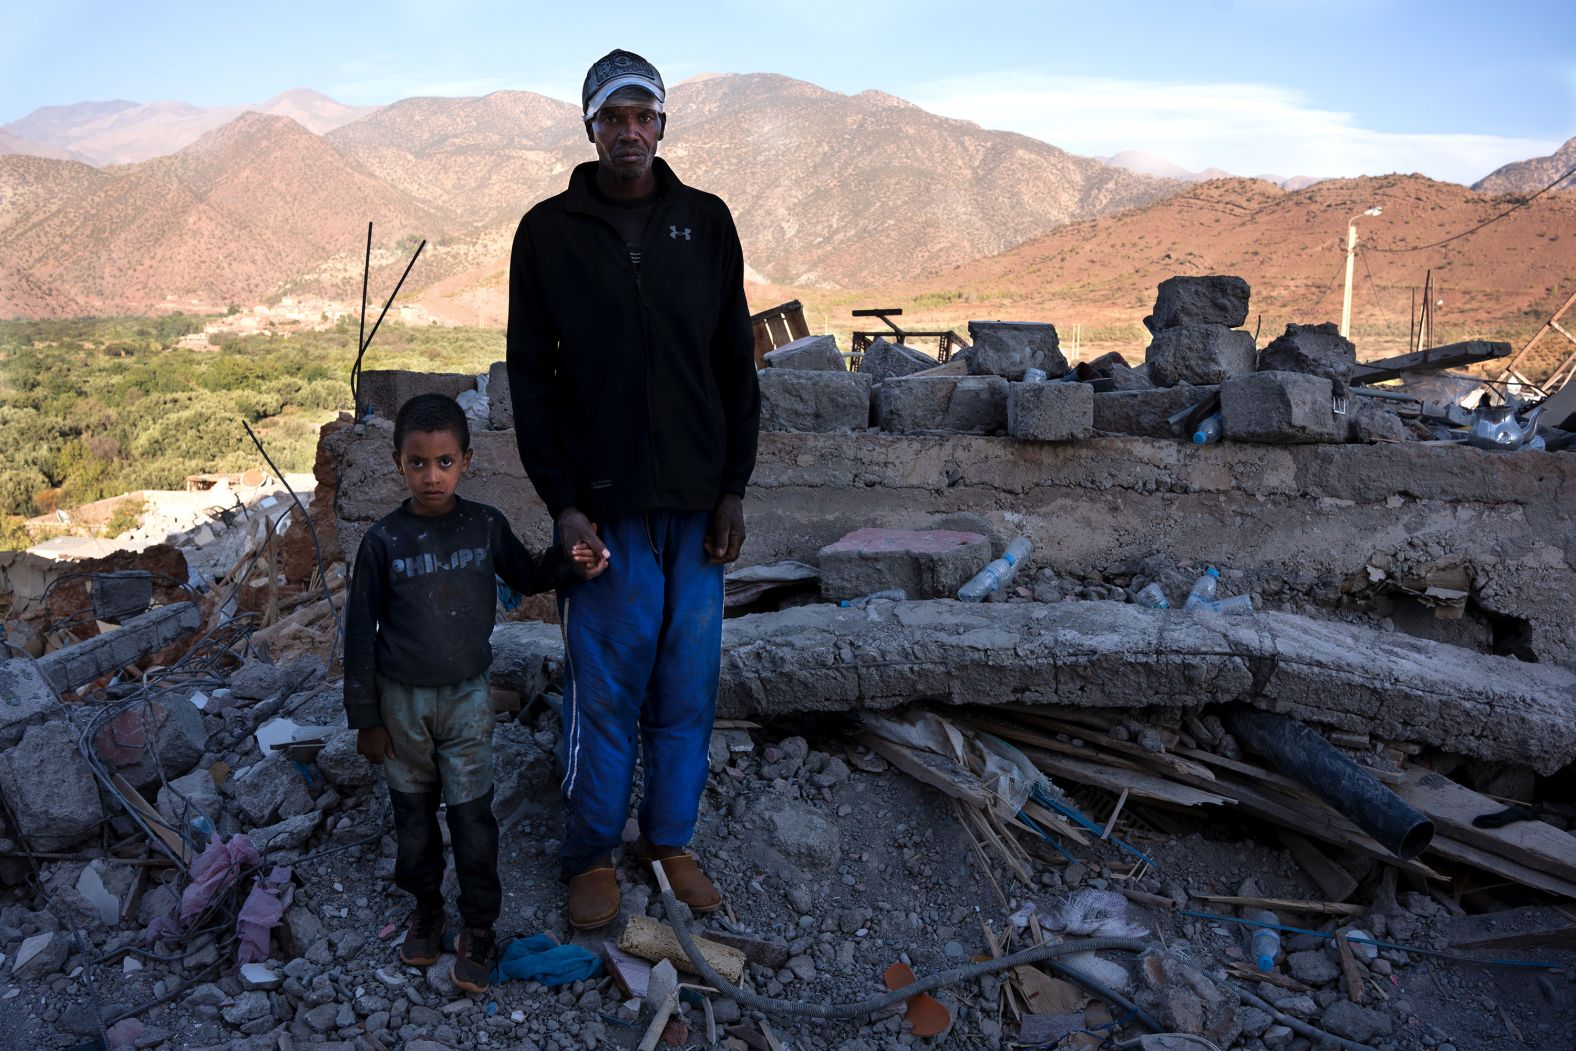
x=1351 y=256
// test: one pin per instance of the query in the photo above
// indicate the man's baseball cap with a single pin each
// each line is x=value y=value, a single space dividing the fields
x=620 y=69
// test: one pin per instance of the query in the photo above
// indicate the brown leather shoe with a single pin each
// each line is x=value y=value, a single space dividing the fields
x=689 y=883
x=593 y=898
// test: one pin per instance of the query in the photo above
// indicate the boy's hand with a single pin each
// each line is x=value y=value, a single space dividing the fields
x=375 y=744
x=726 y=536
x=576 y=530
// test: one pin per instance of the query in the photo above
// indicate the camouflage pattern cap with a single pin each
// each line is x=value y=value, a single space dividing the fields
x=620 y=69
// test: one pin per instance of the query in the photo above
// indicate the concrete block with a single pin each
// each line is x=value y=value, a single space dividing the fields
x=268 y=791
x=1145 y=412
x=814 y=400
x=121 y=594
x=194 y=794
x=1368 y=422
x=51 y=788
x=26 y=699
x=884 y=361
x=500 y=408
x=383 y=391
x=812 y=353
x=104 y=654
x=1007 y=348
x=1215 y=299
x=925 y=563
x=1279 y=408
x=1050 y=412
x=1199 y=354
x=1318 y=350
x=942 y=404
x=138 y=742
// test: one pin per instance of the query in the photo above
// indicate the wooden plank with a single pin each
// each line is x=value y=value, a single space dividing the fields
x=646 y=938
x=1336 y=883
x=1322 y=908
x=1433 y=359
x=1164 y=760
x=1489 y=861
x=1054 y=822
x=1141 y=785
x=1389 y=777
x=936 y=771
x=177 y=845
x=1563 y=936
x=1535 y=844
x=1349 y=972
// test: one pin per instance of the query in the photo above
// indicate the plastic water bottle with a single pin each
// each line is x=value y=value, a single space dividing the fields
x=201 y=829
x=1204 y=589
x=996 y=575
x=1264 y=943
x=1152 y=596
x=891 y=595
x=1034 y=375
x=1235 y=606
x=1208 y=430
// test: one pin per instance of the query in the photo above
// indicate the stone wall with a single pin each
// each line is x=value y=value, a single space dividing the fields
x=1299 y=525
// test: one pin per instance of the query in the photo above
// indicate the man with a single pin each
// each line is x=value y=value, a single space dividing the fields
x=631 y=367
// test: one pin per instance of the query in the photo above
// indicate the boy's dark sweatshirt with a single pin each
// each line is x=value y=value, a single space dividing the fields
x=422 y=599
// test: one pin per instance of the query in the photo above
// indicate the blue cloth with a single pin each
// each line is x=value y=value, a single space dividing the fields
x=541 y=958
x=643 y=647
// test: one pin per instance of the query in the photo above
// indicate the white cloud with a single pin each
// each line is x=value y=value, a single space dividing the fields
x=1245 y=128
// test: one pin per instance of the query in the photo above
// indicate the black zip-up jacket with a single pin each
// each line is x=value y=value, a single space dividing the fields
x=633 y=389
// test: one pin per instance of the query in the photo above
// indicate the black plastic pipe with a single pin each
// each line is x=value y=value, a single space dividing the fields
x=1302 y=753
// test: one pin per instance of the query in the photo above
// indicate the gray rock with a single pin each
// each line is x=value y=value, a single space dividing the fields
x=268 y=790
x=40 y=956
x=805 y=837
x=1362 y=1024
x=1050 y=412
x=811 y=353
x=924 y=563
x=247 y=1007
x=806 y=400
x=1216 y=299
x=189 y=796
x=341 y=764
x=26 y=699
x=500 y=406
x=884 y=360
x=1279 y=408
x=259 y=680
x=287 y=834
x=1318 y=350
x=942 y=404
x=1199 y=354
x=178 y=737
x=1009 y=348
x=1313 y=967
x=50 y=787
x=1146 y=412
x=323 y=1017
x=1368 y=422
x=1253 y=1021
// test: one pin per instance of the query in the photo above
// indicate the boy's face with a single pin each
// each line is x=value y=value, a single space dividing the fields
x=432 y=463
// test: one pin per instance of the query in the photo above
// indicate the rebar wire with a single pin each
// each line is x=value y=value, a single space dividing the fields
x=365 y=341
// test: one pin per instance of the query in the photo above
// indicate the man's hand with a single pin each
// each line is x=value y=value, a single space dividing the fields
x=375 y=744
x=727 y=530
x=583 y=548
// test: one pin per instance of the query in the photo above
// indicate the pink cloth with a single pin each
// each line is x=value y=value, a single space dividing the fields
x=261 y=914
x=216 y=868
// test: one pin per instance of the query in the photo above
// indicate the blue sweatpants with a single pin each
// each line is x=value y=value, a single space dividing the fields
x=642 y=648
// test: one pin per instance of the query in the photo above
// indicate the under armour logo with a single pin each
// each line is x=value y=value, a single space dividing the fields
x=675 y=233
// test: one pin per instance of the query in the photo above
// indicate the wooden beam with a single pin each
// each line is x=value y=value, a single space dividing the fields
x=1449 y=356
x=1535 y=844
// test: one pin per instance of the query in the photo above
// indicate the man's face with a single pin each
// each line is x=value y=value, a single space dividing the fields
x=626 y=140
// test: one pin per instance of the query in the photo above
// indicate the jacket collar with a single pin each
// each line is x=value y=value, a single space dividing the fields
x=580 y=198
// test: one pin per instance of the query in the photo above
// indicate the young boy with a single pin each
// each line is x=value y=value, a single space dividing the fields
x=417 y=628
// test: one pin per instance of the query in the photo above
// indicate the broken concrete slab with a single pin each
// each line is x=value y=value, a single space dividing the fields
x=1199 y=354
x=268 y=790
x=1279 y=408
x=259 y=680
x=1214 y=299
x=1050 y=412
x=26 y=699
x=942 y=404
x=41 y=955
x=342 y=764
x=50 y=787
x=1370 y=422
x=383 y=391
x=1099 y=654
x=1146 y=412
x=165 y=735
x=811 y=353
x=500 y=406
x=288 y=834
x=814 y=400
x=105 y=654
x=924 y=563
x=884 y=360
x=1318 y=350
x=187 y=797
x=1009 y=348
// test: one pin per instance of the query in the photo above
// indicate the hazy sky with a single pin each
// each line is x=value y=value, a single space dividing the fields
x=1323 y=87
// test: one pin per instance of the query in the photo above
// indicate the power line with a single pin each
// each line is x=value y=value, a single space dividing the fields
x=1374 y=287
x=1456 y=237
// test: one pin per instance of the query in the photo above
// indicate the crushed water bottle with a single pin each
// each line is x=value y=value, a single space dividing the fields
x=1152 y=596
x=996 y=575
x=1204 y=589
x=1235 y=606
x=890 y=595
x=1208 y=430
x=1264 y=943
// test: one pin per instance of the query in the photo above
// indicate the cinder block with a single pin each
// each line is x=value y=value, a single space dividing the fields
x=383 y=391
x=942 y=405
x=1007 y=348
x=1199 y=354
x=804 y=400
x=1319 y=350
x=500 y=406
x=812 y=353
x=1050 y=412
x=930 y=563
x=1214 y=299
x=1279 y=408
x=1145 y=412
x=120 y=594
x=884 y=361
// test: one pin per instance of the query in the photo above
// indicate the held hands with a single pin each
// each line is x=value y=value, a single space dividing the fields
x=581 y=544
x=375 y=744
x=726 y=535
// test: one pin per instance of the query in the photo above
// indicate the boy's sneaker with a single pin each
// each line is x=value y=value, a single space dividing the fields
x=473 y=959
x=424 y=940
